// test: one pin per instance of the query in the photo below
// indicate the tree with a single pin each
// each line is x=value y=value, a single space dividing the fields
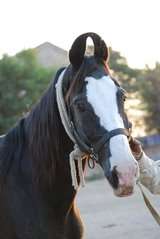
x=149 y=87
x=22 y=81
x=125 y=74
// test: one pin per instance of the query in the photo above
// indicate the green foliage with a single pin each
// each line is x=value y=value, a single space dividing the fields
x=146 y=82
x=126 y=75
x=22 y=81
x=149 y=87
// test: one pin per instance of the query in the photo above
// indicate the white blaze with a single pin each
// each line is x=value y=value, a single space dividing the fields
x=101 y=94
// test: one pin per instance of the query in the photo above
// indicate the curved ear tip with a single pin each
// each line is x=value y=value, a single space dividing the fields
x=77 y=51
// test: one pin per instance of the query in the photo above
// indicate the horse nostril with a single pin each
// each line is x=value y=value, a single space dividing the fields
x=115 y=177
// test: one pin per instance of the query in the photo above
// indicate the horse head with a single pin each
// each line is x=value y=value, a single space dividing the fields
x=95 y=105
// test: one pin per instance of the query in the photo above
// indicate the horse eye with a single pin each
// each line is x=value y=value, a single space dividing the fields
x=124 y=97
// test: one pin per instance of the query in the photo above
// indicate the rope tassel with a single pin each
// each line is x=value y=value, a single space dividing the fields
x=73 y=173
x=81 y=174
x=76 y=154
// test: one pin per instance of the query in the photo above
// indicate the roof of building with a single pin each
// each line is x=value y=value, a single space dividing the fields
x=50 y=55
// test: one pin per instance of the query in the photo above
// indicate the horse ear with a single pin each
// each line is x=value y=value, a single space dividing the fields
x=100 y=47
x=77 y=51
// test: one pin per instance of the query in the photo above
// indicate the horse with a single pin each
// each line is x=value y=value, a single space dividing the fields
x=37 y=199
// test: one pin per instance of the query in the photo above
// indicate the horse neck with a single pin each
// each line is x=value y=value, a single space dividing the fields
x=48 y=142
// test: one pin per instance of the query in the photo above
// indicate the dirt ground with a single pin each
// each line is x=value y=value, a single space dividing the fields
x=108 y=217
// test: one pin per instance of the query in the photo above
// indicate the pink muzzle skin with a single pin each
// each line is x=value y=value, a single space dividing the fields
x=124 y=191
x=126 y=182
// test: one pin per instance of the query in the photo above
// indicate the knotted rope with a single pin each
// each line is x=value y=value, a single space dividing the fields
x=76 y=154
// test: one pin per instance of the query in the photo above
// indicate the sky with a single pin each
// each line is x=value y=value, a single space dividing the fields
x=129 y=26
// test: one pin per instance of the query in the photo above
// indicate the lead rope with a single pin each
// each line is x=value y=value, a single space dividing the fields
x=150 y=207
x=76 y=154
x=152 y=210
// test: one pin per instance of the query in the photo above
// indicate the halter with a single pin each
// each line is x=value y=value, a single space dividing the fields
x=93 y=150
x=83 y=148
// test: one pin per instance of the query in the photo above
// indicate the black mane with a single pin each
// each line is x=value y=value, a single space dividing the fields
x=11 y=145
x=42 y=134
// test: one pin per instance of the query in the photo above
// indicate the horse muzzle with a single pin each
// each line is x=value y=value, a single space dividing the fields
x=124 y=191
x=123 y=183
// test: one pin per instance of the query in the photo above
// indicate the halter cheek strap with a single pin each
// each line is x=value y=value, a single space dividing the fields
x=94 y=149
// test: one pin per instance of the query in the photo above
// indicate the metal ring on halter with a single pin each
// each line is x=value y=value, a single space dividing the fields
x=91 y=163
x=93 y=157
